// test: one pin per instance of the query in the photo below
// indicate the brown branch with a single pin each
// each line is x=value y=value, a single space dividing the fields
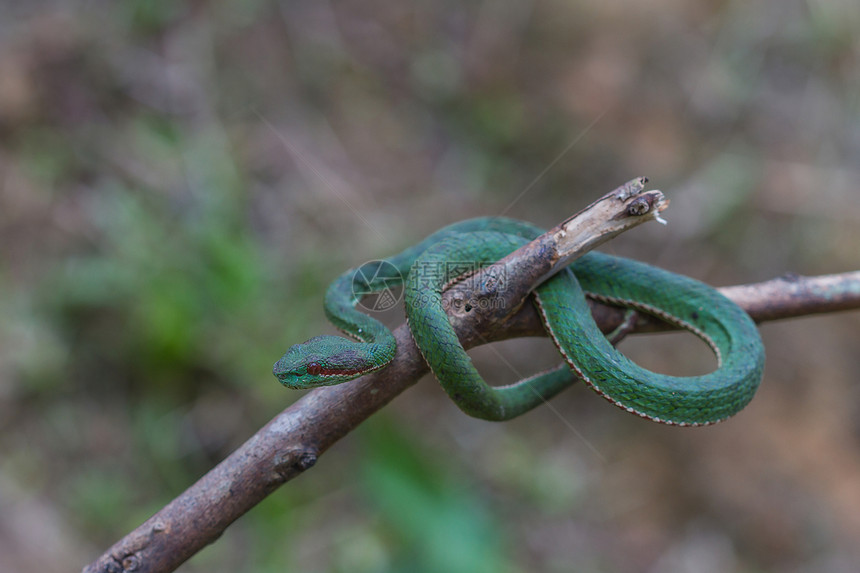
x=789 y=296
x=291 y=442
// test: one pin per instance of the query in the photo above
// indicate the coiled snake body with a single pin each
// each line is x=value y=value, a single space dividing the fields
x=561 y=300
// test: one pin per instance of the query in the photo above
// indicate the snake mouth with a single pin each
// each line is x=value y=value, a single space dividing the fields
x=307 y=381
x=290 y=380
x=320 y=377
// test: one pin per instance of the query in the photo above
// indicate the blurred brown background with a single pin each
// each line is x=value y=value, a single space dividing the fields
x=181 y=180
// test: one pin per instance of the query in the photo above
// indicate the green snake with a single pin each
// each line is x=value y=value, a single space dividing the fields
x=426 y=270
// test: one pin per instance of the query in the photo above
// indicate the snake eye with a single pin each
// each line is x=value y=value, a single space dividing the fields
x=314 y=369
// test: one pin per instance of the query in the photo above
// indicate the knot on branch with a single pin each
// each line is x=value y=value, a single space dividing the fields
x=294 y=462
x=129 y=564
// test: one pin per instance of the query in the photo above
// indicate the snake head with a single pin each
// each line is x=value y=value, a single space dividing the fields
x=322 y=361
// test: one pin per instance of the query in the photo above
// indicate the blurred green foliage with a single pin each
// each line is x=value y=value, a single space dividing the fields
x=168 y=273
x=438 y=522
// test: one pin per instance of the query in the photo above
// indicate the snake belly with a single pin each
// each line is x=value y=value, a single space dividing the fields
x=562 y=303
